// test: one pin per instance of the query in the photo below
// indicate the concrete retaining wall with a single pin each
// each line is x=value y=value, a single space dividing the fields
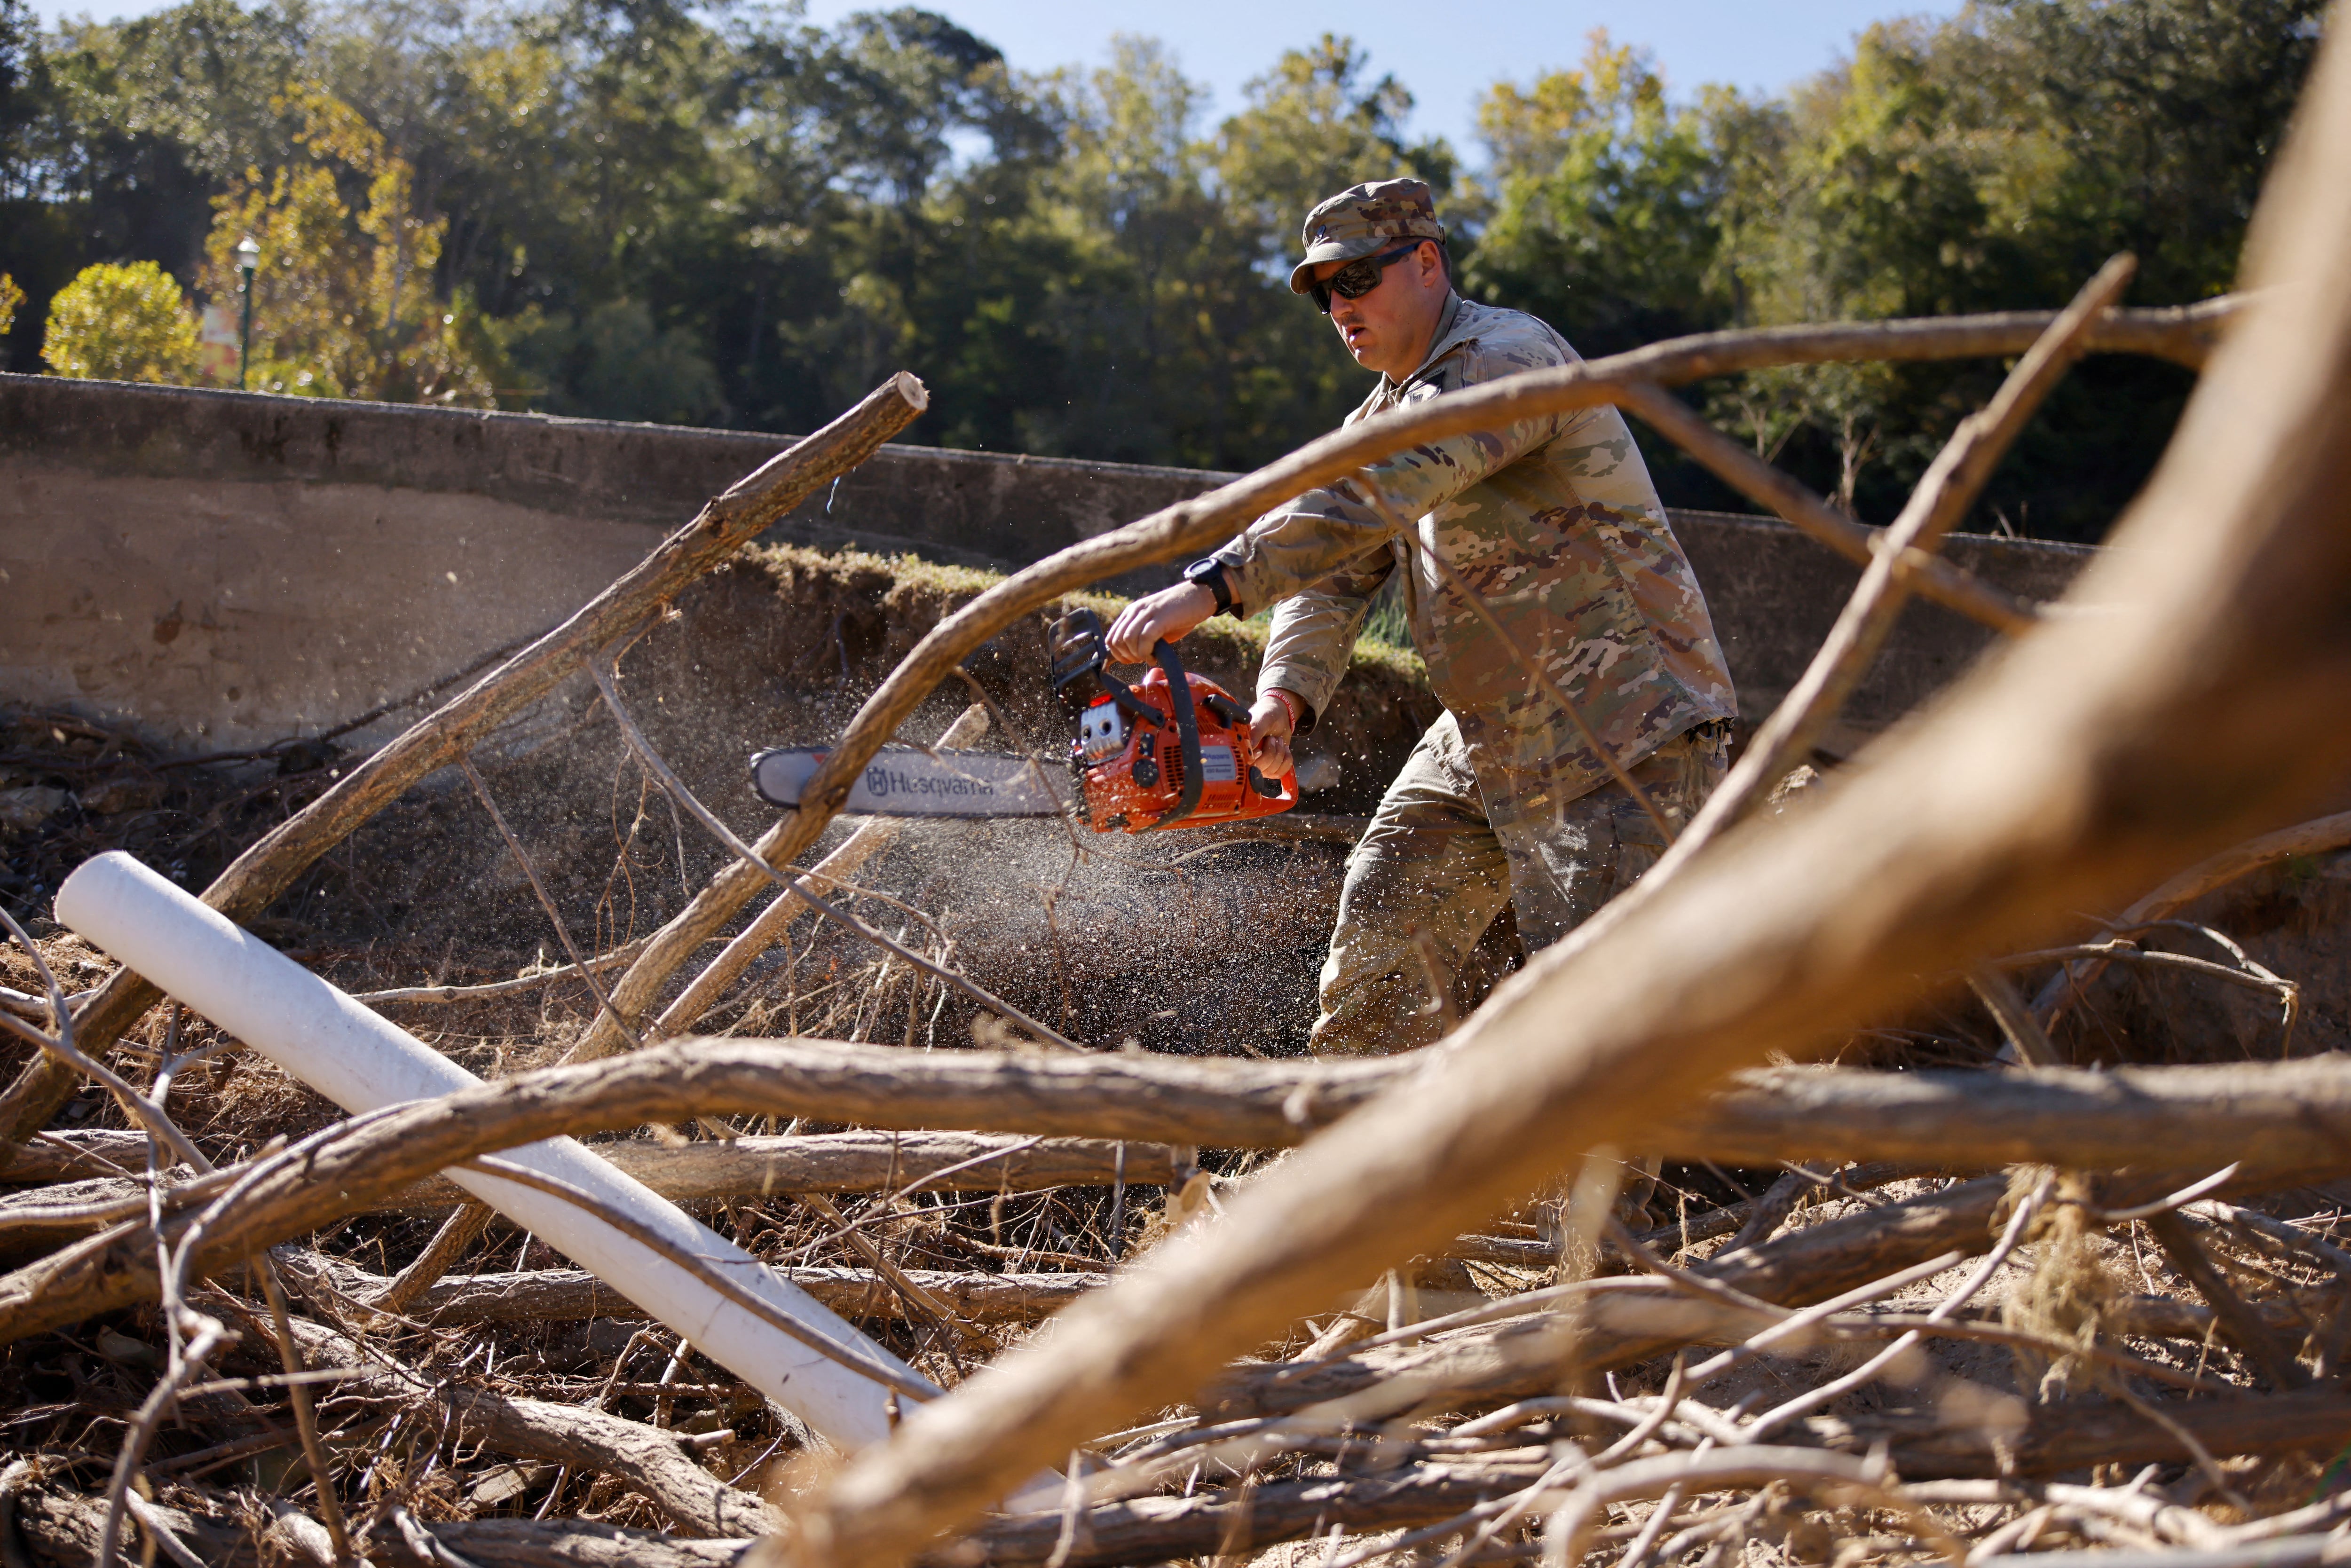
x=225 y=569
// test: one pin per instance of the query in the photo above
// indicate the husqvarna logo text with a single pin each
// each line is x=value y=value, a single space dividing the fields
x=882 y=782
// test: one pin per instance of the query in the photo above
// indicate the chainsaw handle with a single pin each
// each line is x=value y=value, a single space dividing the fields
x=1187 y=730
x=1232 y=712
x=1080 y=668
x=1225 y=709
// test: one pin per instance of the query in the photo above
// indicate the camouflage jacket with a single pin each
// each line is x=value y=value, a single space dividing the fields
x=1554 y=522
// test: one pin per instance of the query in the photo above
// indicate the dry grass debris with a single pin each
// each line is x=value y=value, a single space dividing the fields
x=1835 y=1354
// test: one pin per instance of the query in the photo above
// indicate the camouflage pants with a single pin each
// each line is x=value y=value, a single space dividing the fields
x=1437 y=863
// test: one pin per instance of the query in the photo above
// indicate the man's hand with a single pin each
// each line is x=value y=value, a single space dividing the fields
x=1270 y=730
x=1170 y=613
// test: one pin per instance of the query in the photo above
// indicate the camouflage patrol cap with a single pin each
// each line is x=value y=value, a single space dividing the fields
x=1364 y=220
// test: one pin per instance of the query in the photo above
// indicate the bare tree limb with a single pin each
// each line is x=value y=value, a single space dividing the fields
x=460 y=1230
x=872 y=835
x=649 y=1460
x=2212 y=701
x=571 y=1295
x=748 y=1167
x=791 y=882
x=2311 y=838
x=1795 y=504
x=2297 y=1115
x=1205 y=521
x=2244 y=1324
x=266 y=870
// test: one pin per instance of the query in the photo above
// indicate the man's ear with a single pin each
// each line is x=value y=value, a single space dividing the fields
x=1432 y=264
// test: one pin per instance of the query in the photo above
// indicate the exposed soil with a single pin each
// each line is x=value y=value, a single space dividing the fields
x=1199 y=941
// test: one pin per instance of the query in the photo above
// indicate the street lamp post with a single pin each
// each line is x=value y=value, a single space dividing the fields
x=248 y=260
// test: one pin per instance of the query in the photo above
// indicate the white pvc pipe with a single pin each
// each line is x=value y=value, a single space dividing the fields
x=361 y=1063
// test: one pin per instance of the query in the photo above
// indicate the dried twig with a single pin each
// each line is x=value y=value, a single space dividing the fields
x=792 y=882
x=1203 y=522
x=2083 y=761
x=2244 y=1326
x=539 y=890
x=267 y=869
x=2314 y=837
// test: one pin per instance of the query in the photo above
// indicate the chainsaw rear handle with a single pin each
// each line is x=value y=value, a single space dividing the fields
x=1232 y=712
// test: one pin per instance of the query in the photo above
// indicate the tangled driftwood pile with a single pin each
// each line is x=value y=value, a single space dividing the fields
x=1587 y=1279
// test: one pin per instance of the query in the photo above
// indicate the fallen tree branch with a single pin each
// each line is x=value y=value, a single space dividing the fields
x=459 y=1231
x=775 y=922
x=2311 y=838
x=652 y=1461
x=2244 y=1326
x=572 y=1295
x=62 y=1525
x=2213 y=701
x=1620 y=1324
x=539 y=891
x=625 y=953
x=1206 y=521
x=791 y=882
x=1795 y=504
x=750 y=1167
x=2054 y=1438
x=257 y=876
x=2298 y=1115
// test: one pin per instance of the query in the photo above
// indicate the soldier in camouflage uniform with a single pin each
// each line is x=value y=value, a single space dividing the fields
x=1553 y=522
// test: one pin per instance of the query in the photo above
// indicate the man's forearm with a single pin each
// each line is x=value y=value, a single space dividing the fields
x=1307 y=650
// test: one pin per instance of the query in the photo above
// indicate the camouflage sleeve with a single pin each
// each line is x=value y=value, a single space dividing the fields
x=1314 y=634
x=1289 y=550
x=1604 y=466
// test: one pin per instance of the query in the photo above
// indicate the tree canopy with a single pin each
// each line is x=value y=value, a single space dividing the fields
x=721 y=214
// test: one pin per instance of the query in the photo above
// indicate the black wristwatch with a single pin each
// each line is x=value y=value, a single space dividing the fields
x=1210 y=574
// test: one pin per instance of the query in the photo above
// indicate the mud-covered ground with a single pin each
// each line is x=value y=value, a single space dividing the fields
x=1198 y=940
x=1222 y=933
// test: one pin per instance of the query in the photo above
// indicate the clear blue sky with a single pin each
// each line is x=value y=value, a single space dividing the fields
x=1447 y=54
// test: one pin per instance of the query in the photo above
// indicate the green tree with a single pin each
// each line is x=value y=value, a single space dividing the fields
x=1151 y=261
x=643 y=209
x=1604 y=217
x=1312 y=126
x=122 y=323
x=343 y=304
x=1992 y=162
x=617 y=363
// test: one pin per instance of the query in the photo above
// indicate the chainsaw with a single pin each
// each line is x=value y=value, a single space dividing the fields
x=1143 y=758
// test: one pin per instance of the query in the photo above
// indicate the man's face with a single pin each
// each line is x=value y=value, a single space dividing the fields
x=1389 y=328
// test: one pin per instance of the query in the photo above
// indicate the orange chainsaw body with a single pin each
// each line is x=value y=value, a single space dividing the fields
x=1142 y=762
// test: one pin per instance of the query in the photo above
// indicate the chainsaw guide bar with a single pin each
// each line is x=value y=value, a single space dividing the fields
x=1171 y=750
x=908 y=781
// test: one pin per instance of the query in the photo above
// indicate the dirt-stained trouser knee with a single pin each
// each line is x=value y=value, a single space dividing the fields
x=1439 y=861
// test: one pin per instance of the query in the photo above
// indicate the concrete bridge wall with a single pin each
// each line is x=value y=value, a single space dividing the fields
x=226 y=570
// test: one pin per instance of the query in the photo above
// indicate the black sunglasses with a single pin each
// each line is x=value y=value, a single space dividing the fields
x=1358 y=278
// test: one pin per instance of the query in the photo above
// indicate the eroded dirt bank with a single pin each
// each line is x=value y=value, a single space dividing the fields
x=778 y=648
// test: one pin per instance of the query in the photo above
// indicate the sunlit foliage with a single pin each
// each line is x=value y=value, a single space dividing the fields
x=120 y=323
x=718 y=213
